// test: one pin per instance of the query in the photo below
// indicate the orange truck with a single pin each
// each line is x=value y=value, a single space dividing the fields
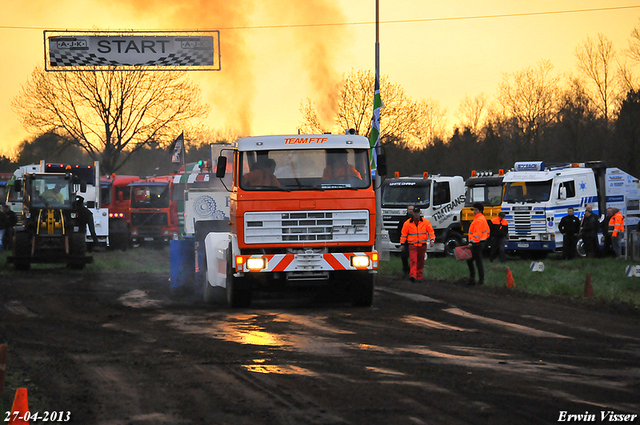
x=302 y=212
x=154 y=213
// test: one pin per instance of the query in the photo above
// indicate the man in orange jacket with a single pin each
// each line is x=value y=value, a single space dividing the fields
x=478 y=234
x=417 y=232
x=617 y=222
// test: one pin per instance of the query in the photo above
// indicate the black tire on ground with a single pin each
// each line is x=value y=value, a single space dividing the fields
x=118 y=235
x=362 y=289
x=238 y=289
x=22 y=251
x=580 y=248
x=77 y=251
x=452 y=241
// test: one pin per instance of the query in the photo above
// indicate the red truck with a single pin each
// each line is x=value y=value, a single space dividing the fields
x=115 y=194
x=154 y=213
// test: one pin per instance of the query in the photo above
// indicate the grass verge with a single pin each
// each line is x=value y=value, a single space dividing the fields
x=559 y=278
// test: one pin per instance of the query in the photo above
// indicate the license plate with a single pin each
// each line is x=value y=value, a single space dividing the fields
x=523 y=245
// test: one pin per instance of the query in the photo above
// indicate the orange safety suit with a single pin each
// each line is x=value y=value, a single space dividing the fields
x=618 y=223
x=479 y=229
x=340 y=172
x=261 y=177
x=416 y=236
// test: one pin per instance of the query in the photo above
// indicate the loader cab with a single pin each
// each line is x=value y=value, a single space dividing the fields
x=48 y=190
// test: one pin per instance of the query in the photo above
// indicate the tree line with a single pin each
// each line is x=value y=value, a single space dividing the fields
x=127 y=121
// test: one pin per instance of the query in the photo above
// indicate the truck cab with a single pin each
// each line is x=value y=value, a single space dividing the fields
x=302 y=210
x=484 y=187
x=441 y=199
x=154 y=214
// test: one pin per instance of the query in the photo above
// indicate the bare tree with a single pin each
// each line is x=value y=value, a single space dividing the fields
x=109 y=114
x=471 y=112
x=402 y=119
x=596 y=59
x=531 y=98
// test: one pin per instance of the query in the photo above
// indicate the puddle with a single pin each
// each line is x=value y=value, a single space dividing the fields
x=510 y=326
x=384 y=371
x=138 y=299
x=279 y=369
x=411 y=296
x=17 y=308
x=427 y=323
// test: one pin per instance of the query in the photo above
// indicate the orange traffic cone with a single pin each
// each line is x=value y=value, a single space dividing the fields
x=20 y=408
x=588 y=289
x=3 y=366
x=510 y=282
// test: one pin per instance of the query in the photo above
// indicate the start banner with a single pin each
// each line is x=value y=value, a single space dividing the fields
x=129 y=51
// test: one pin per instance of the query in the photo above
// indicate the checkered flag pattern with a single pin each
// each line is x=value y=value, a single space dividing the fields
x=180 y=58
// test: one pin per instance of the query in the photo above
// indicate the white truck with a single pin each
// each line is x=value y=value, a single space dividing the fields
x=441 y=199
x=537 y=196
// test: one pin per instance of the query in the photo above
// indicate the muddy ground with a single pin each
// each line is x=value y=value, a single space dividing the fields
x=122 y=349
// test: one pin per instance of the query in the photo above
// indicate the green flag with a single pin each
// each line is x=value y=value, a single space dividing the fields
x=374 y=135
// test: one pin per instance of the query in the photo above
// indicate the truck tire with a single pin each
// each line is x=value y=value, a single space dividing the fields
x=362 y=289
x=22 y=251
x=452 y=241
x=238 y=289
x=212 y=294
x=580 y=248
x=77 y=251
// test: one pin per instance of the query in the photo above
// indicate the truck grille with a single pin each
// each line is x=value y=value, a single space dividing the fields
x=306 y=226
x=525 y=223
x=149 y=219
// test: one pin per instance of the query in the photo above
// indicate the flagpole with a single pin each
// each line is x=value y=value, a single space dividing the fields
x=378 y=179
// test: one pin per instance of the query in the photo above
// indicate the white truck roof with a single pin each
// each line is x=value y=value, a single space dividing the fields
x=303 y=141
x=515 y=176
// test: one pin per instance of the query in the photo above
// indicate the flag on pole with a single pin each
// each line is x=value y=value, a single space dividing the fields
x=178 y=149
x=374 y=134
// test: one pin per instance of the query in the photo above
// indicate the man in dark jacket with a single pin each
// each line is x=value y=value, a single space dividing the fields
x=404 y=253
x=9 y=222
x=589 y=232
x=569 y=227
x=499 y=232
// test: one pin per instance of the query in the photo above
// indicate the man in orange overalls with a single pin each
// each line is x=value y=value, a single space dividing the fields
x=417 y=232
x=478 y=234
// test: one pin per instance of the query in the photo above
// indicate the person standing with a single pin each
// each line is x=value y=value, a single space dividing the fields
x=11 y=221
x=607 y=250
x=589 y=232
x=478 y=234
x=499 y=231
x=416 y=234
x=618 y=232
x=569 y=227
x=404 y=251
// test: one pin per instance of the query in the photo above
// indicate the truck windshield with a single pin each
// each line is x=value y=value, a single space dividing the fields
x=538 y=191
x=490 y=196
x=406 y=193
x=50 y=190
x=317 y=169
x=150 y=196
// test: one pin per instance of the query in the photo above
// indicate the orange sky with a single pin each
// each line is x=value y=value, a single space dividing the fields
x=440 y=49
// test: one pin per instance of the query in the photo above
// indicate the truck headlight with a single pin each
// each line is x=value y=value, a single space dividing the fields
x=360 y=261
x=255 y=264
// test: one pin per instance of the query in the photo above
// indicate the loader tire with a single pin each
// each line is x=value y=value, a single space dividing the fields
x=22 y=251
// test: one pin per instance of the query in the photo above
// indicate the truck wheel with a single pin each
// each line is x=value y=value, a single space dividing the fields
x=22 y=250
x=238 y=290
x=452 y=241
x=580 y=248
x=362 y=289
x=78 y=250
x=212 y=294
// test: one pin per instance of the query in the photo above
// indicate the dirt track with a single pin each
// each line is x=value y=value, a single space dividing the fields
x=115 y=349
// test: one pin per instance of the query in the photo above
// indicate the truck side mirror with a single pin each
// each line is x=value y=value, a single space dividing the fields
x=83 y=187
x=562 y=195
x=222 y=167
x=17 y=186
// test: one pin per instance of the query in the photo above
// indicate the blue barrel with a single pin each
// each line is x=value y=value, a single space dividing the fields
x=183 y=263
